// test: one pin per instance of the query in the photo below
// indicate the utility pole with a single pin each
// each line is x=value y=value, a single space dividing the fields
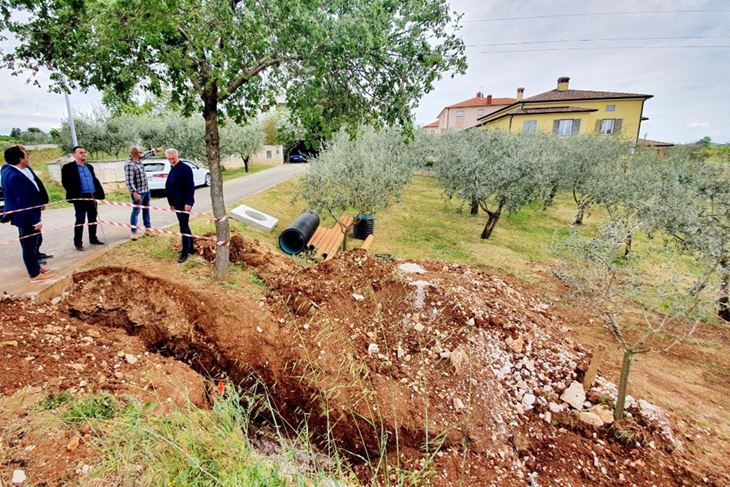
x=71 y=126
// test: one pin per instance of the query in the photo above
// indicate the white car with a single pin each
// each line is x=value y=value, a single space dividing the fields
x=158 y=170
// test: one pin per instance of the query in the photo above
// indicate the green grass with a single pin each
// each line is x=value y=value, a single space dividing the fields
x=237 y=173
x=54 y=401
x=141 y=445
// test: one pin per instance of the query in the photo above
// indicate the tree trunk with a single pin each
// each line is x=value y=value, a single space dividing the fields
x=723 y=306
x=474 y=207
x=579 y=215
x=493 y=219
x=627 y=246
x=618 y=412
x=245 y=164
x=212 y=148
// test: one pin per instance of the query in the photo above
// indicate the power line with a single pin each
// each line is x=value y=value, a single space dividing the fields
x=519 y=43
x=601 y=48
x=598 y=14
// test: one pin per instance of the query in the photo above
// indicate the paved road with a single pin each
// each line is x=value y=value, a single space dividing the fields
x=58 y=239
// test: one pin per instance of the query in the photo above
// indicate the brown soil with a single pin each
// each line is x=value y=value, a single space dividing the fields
x=452 y=364
x=44 y=351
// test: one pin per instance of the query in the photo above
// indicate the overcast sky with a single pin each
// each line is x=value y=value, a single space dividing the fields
x=691 y=86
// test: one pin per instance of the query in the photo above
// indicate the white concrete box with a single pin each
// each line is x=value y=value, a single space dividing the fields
x=255 y=218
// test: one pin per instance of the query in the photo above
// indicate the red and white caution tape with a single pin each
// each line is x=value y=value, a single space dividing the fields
x=10 y=212
x=163 y=232
x=99 y=221
x=146 y=207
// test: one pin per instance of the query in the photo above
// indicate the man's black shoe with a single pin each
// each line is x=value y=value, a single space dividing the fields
x=41 y=255
x=80 y=248
x=97 y=242
x=182 y=258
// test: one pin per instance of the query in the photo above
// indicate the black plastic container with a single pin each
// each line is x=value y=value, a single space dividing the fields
x=294 y=238
x=364 y=225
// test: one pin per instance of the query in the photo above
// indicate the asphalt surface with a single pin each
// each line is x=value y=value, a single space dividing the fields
x=58 y=231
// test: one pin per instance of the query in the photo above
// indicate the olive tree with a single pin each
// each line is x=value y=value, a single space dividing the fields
x=337 y=63
x=587 y=166
x=362 y=174
x=642 y=315
x=498 y=170
x=243 y=141
x=690 y=201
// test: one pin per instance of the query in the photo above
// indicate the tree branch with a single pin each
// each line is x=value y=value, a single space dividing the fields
x=248 y=74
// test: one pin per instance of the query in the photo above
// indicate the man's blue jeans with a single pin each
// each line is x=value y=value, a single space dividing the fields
x=144 y=200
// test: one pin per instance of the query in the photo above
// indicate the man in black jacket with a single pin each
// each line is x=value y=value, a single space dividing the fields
x=180 y=188
x=79 y=180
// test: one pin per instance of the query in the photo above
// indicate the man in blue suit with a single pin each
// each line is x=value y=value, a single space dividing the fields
x=180 y=189
x=22 y=189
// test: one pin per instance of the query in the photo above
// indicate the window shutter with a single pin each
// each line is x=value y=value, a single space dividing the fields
x=617 y=125
x=556 y=126
x=576 y=126
x=598 y=126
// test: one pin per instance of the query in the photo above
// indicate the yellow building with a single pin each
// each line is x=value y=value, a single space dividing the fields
x=564 y=111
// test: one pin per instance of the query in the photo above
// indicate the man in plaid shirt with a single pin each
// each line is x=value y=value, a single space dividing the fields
x=138 y=188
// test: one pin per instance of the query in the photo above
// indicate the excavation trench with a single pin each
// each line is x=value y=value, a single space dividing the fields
x=246 y=346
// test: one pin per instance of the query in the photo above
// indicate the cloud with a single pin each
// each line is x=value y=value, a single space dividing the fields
x=696 y=125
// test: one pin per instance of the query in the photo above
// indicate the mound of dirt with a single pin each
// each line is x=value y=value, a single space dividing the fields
x=419 y=354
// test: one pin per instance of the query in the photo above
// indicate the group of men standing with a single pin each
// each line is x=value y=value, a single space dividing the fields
x=26 y=197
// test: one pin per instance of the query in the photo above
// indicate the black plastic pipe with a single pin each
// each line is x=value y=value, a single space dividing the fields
x=294 y=238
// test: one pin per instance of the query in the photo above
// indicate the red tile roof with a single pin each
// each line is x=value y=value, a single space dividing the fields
x=482 y=102
x=565 y=95
x=529 y=111
x=432 y=125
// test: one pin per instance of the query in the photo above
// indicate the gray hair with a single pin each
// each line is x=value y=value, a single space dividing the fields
x=170 y=151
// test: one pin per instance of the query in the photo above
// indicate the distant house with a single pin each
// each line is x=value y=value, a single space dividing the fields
x=564 y=111
x=466 y=113
x=659 y=147
x=431 y=128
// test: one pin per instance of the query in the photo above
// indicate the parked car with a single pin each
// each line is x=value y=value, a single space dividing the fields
x=157 y=171
x=297 y=157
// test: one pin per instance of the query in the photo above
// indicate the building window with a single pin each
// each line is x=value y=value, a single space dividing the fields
x=529 y=126
x=608 y=126
x=565 y=127
x=480 y=113
x=460 y=114
x=268 y=154
x=610 y=108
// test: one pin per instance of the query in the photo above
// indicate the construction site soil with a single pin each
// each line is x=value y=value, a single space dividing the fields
x=427 y=365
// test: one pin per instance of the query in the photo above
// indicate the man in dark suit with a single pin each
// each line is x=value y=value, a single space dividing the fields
x=78 y=178
x=180 y=188
x=24 y=191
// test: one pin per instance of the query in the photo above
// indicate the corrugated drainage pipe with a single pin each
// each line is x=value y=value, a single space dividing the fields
x=294 y=238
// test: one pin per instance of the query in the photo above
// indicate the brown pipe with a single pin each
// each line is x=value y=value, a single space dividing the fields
x=334 y=246
x=326 y=242
x=368 y=242
x=312 y=244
